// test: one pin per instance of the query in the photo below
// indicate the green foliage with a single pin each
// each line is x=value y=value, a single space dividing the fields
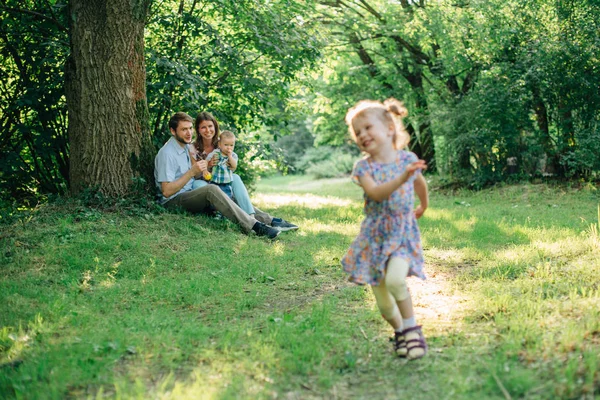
x=492 y=81
x=327 y=161
x=294 y=147
x=346 y=155
x=232 y=58
x=340 y=87
x=33 y=114
x=256 y=158
x=340 y=164
x=488 y=132
x=292 y=136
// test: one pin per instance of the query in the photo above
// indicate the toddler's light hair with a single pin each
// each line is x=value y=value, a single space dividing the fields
x=226 y=135
x=390 y=111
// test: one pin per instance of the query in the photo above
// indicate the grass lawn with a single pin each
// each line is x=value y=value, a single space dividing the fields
x=174 y=306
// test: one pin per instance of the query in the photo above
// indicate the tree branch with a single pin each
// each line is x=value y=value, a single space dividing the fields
x=371 y=10
x=36 y=15
x=366 y=59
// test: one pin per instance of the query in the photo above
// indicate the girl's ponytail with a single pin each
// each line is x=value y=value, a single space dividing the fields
x=397 y=111
x=396 y=107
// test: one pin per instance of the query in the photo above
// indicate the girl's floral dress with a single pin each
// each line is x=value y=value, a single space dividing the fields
x=390 y=228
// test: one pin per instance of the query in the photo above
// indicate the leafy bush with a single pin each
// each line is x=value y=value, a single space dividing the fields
x=256 y=159
x=328 y=162
x=583 y=159
x=328 y=155
x=312 y=156
x=295 y=146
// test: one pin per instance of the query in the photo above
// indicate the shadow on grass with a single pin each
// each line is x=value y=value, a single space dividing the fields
x=114 y=291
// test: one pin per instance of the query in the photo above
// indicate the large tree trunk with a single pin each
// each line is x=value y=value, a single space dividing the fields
x=106 y=95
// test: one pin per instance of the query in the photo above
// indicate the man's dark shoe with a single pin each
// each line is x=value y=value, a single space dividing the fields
x=265 y=230
x=283 y=225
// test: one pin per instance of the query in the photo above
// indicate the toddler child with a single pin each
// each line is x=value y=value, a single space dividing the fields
x=388 y=247
x=222 y=172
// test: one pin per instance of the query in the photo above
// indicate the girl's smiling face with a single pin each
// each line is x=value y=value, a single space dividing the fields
x=372 y=133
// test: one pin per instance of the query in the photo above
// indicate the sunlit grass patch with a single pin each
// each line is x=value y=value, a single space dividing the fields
x=309 y=201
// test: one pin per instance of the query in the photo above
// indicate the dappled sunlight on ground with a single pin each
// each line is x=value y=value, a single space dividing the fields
x=538 y=252
x=449 y=217
x=214 y=380
x=557 y=248
x=323 y=256
x=305 y=200
x=342 y=229
x=511 y=254
x=450 y=255
x=278 y=248
x=242 y=242
x=300 y=183
x=437 y=304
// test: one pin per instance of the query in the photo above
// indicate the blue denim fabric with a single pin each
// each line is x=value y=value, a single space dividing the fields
x=226 y=188
x=240 y=193
x=198 y=183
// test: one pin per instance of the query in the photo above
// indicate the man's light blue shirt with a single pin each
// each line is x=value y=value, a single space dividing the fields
x=172 y=162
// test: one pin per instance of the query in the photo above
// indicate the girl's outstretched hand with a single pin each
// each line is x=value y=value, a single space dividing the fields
x=419 y=211
x=417 y=165
x=411 y=169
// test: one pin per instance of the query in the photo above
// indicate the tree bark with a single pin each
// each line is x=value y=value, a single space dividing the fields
x=425 y=135
x=542 y=119
x=106 y=95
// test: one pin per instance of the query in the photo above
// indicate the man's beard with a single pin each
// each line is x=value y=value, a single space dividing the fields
x=180 y=140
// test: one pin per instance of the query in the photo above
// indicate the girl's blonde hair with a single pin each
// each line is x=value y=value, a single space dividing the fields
x=390 y=111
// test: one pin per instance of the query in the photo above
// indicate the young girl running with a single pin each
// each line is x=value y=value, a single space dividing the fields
x=388 y=247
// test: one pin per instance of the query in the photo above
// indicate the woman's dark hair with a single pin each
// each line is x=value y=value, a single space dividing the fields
x=201 y=117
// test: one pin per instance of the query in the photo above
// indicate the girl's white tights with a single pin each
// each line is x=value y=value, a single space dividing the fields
x=392 y=290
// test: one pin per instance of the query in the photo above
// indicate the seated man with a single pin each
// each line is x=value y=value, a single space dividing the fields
x=174 y=174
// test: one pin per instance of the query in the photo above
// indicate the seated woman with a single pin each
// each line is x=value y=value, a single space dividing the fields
x=207 y=139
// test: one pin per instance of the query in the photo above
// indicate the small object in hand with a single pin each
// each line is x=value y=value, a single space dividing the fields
x=207 y=176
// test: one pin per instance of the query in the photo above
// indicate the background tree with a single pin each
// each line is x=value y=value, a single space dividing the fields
x=532 y=103
x=402 y=49
x=106 y=94
x=496 y=90
x=236 y=58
